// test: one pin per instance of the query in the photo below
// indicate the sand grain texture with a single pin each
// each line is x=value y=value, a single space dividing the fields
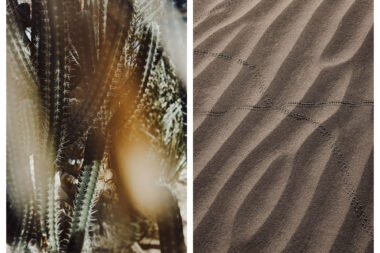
x=283 y=126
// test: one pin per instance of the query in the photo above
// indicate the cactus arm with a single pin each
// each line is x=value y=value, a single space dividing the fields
x=116 y=34
x=18 y=42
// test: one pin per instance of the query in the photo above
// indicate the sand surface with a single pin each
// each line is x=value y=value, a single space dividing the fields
x=283 y=126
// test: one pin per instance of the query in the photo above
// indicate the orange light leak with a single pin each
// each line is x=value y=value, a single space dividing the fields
x=140 y=169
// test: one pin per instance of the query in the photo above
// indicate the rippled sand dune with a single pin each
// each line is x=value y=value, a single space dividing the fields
x=283 y=126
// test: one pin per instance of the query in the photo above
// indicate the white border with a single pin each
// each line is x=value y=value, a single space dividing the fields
x=189 y=126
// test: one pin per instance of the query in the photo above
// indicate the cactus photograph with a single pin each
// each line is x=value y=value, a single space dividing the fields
x=96 y=125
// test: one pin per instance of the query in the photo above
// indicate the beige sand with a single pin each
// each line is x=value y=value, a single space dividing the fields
x=283 y=126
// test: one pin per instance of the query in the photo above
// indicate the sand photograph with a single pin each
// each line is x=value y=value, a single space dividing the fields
x=283 y=126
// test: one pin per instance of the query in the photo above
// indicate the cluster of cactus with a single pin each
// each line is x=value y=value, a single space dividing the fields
x=80 y=74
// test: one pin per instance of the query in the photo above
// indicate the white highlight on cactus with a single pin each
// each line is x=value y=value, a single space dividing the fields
x=32 y=173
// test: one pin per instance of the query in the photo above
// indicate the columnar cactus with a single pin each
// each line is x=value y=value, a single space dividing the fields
x=82 y=74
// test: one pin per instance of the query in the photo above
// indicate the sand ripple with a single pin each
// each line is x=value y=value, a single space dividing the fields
x=283 y=126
